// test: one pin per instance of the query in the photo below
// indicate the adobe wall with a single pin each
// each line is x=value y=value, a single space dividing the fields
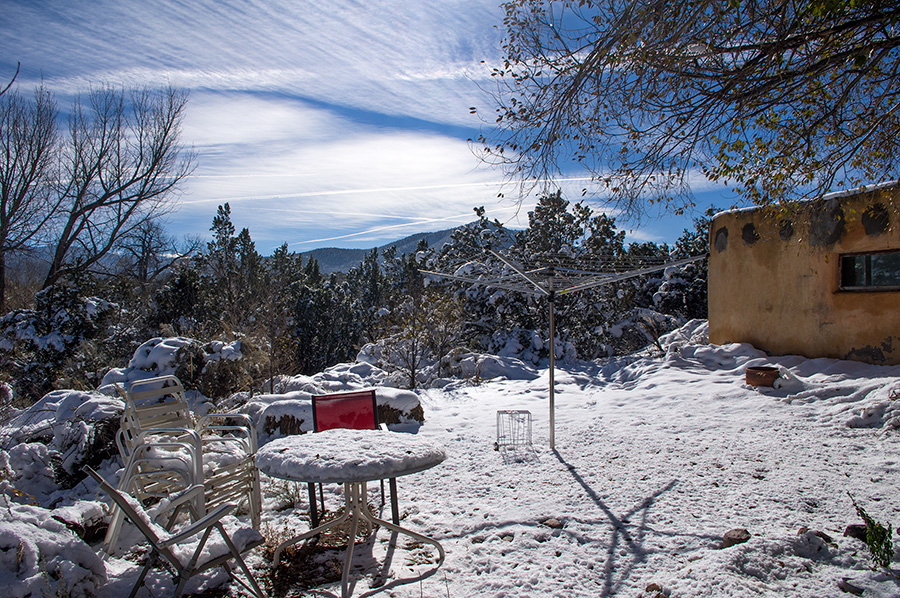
x=774 y=278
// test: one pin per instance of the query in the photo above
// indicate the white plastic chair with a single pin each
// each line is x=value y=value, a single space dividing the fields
x=165 y=449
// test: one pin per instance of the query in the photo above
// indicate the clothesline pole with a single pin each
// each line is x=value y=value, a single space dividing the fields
x=552 y=300
x=540 y=282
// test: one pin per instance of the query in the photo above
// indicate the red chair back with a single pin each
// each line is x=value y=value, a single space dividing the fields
x=355 y=410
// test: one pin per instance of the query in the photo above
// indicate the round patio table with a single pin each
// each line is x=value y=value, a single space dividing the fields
x=351 y=458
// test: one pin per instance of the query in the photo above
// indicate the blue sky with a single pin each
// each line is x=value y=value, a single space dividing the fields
x=323 y=124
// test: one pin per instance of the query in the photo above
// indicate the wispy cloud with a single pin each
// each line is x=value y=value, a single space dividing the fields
x=396 y=57
x=318 y=122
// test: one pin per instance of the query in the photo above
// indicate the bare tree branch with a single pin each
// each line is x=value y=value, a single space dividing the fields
x=28 y=158
x=780 y=99
x=13 y=80
x=122 y=162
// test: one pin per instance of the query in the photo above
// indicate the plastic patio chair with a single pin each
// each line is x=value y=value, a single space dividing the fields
x=165 y=449
x=227 y=441
x=188 y=551
x=356 y=410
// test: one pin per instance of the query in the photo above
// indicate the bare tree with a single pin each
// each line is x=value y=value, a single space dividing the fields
x=28 y=153
x=148 y=252
x=778 y=99
x=121 y=163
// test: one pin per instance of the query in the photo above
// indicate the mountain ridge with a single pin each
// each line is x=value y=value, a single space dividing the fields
x=336 y=259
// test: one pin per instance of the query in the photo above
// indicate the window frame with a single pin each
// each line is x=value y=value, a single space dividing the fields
x=865 y=288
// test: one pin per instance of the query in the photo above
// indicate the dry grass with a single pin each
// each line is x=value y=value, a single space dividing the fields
x=312 y=563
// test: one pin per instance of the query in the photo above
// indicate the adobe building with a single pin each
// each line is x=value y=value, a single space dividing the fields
x=821 y=279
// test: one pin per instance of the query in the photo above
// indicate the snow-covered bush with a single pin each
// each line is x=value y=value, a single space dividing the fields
x=40 y=556
x=36 y=343
x=51 y=441
x=215 y=369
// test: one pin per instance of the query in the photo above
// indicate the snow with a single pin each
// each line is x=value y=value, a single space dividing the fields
x=155 y=357
x=657 y=456
x=828 y=196
x=158 y=357
x=347 y=456
x=38 y=553
x=64 y=405
x=475 y=365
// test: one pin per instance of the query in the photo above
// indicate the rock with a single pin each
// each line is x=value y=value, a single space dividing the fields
x=849 y=588
x=856 y=530
x=654 y=590
x=553 y=522
x=735 y=536
x=657 y=591
x=825 y=537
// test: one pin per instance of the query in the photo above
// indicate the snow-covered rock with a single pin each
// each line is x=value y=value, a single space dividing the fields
x=40 y=556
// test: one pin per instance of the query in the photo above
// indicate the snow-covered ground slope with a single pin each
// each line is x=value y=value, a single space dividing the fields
x=657 y=457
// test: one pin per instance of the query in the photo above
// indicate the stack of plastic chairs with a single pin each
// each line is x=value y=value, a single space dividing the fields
x=166 y=449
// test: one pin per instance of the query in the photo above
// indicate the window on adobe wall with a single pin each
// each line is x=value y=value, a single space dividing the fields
x=871 y=271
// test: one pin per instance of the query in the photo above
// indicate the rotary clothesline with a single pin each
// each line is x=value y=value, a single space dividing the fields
x=551 y=280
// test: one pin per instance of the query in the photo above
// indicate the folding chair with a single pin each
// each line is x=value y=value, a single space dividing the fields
x=181 y=550
x=356 y=410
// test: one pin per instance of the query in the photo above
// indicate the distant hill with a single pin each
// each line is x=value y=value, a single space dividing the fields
x=334 y=259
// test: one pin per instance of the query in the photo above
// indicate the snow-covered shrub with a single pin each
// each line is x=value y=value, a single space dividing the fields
x=215 y=369
x=530 y=347
x=36 y=343
x=640 y=328
x=229 y=367
x=51 y=441
x=32 y=467
x=479 y=367
x=682 y=292
x=39 y=556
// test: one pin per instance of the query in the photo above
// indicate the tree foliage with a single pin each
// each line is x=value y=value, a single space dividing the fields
x=780 y=99
x=289 y=318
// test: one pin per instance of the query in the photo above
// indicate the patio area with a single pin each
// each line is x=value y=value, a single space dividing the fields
x=657 y=458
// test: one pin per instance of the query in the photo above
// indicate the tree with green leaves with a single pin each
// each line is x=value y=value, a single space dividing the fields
x=779 y=100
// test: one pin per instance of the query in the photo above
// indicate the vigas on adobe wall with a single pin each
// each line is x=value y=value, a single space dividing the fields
x=775 y=277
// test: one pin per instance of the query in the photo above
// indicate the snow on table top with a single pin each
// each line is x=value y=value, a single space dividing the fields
x=342 y=455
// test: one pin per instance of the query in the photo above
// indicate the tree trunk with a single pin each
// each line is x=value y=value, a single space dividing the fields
x=2 y=282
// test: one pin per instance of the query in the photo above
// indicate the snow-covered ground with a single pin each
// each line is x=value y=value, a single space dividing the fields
x=656 y=458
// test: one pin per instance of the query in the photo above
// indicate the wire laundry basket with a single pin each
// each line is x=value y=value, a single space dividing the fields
x=513 y=429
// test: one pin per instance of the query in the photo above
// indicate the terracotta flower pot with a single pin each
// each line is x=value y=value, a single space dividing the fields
x=763 y=375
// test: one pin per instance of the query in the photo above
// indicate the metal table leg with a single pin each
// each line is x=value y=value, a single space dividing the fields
x=360 y=508
x=276 y=558
x=356 y=507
